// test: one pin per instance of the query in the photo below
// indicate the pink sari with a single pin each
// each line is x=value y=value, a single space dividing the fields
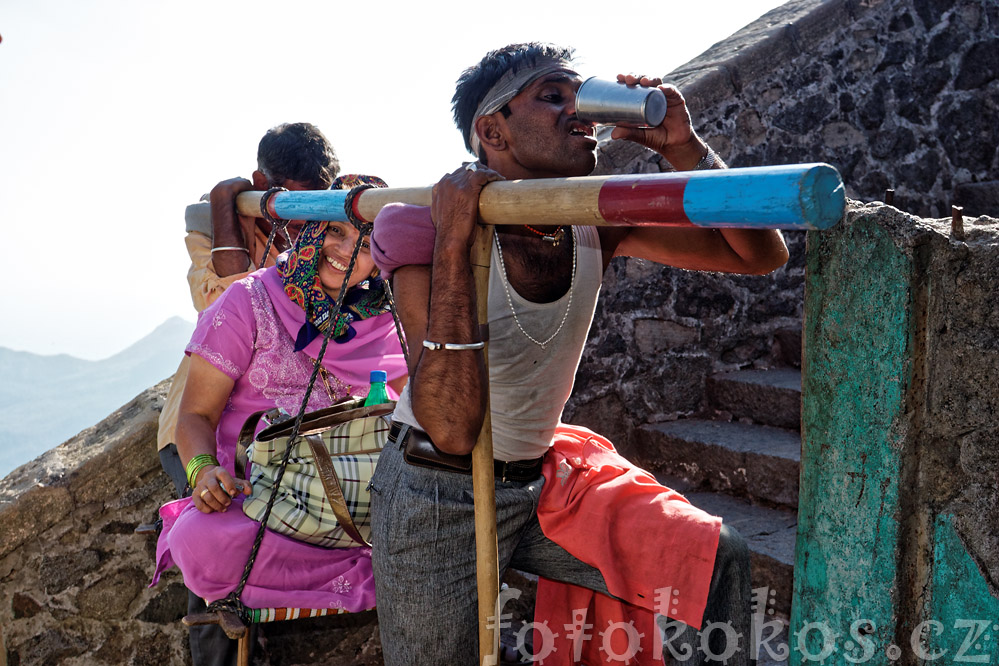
x=248 y=334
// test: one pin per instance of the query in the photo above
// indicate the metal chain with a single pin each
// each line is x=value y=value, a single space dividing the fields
x=505 y=280
x=232 y=602
x=398 y=323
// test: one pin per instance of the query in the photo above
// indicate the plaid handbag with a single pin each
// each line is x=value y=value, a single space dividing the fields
x=323 y=498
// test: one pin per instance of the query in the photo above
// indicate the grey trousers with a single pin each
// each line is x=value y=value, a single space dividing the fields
x=424 y=565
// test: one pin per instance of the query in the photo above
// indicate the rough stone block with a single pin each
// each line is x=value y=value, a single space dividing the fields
x=62 y=571
x=22 y=605
x=972 y=144
x=50 y=647
x=839 y=134
x=787 y=343
x=602 y=402
x=770 y=397
x=654 y=336
x=979 y=66
x=169 y=605
x=978 y=198
x=110 y=596
x=40 y=509
x=804 y=116
x=751 y=127
x=757 y=462
x=343 y=639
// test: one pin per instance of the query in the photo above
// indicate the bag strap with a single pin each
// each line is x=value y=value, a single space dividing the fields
x=324 y=419
x=246 y=438
x=331 y=484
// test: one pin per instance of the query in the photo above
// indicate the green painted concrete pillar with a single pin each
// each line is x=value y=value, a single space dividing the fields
x=883 y=574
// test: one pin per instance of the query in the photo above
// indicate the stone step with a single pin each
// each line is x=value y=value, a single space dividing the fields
x=746 y=460
x=769 y=532
x=769 y=397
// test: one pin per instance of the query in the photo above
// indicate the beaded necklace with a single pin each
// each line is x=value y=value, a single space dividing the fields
x=509 y=299
x=554 y=238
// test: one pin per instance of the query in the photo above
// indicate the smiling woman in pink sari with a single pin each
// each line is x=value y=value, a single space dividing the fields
x=252 y=350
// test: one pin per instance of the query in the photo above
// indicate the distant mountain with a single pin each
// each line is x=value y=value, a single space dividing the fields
x=44 y=400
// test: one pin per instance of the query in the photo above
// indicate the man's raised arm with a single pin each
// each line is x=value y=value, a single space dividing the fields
x=438 y=305
x=752 y=251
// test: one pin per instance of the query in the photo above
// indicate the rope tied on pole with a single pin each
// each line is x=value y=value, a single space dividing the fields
x=277 y=224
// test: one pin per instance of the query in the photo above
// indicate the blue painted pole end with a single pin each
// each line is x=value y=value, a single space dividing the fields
x=823 y=196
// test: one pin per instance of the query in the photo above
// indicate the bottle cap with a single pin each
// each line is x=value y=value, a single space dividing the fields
x=378 y=376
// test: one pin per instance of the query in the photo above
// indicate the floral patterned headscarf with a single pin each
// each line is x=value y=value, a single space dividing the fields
x=299 y=272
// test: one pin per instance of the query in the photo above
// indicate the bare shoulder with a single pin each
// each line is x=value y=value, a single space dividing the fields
x=610 y=239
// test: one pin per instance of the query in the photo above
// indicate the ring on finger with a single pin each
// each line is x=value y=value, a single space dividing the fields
x=203 y=492
x=471 y=166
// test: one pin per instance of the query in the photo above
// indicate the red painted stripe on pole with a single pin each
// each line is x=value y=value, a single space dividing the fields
x=357 y=211
x=637 y=200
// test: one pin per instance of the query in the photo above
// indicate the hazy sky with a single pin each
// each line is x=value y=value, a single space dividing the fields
x=115 y=114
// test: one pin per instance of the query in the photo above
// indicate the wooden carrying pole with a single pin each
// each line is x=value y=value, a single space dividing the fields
x=794 y=196
x=483 y=478
x=809 y=196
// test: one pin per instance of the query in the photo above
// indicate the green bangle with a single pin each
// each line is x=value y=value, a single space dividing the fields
x=196 y=464
x=194 y=472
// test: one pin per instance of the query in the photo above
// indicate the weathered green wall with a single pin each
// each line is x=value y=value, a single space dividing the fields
x=888 y=502
x=962 y=622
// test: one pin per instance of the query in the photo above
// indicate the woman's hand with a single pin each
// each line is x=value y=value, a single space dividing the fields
x=205 y=395
x=214 y=489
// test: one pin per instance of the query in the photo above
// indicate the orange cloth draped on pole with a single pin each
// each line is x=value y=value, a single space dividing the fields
x=656 y=551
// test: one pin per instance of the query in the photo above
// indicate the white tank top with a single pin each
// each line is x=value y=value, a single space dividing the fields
x=528 y=385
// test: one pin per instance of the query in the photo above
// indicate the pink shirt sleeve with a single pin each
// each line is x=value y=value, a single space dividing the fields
x=403 y=235
x=225 y=332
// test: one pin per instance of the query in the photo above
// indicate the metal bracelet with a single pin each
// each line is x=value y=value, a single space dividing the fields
x=230 y=247
x=707 y=162
x=453 y=346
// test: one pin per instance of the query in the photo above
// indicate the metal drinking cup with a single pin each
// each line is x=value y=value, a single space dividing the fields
x=612 y=103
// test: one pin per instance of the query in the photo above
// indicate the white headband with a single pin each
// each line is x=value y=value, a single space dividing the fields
x=509 y=86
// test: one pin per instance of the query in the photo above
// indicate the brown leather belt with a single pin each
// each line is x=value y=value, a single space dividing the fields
x=420 y=451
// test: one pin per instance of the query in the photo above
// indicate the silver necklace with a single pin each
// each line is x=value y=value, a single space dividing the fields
x=509 y=299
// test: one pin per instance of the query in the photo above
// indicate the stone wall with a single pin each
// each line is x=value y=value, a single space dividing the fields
x=74 y=575
x=900 y=94
x=72 y=569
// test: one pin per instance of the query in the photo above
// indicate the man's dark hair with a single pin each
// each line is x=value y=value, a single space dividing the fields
x=475 y=82
x=297 y=151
